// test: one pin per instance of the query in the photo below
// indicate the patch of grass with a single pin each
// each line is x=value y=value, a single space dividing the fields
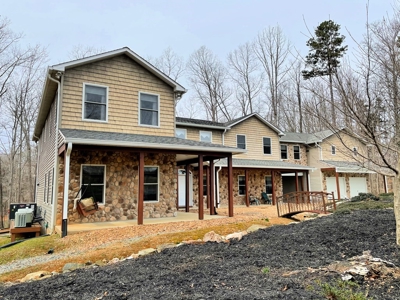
x=347 y=207
x=341 y=290
x=4 y=240
x=265 y=270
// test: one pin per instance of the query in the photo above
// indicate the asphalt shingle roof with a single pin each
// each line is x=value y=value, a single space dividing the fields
x=199 y=122
x=306 y=138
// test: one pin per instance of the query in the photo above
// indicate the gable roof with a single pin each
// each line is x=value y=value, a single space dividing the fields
x=241 y=119
x=50 y=84
x=312 y=138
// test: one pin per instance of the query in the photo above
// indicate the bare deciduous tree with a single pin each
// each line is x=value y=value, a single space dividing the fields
x=170 y=64
x=80 y=51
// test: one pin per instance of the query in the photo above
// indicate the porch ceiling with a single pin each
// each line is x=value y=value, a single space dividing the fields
x=263 y=164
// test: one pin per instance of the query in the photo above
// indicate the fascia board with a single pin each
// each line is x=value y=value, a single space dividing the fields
x=201 y=126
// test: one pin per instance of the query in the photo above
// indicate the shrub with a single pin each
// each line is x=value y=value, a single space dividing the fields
x=342 y=290
x=364 y=197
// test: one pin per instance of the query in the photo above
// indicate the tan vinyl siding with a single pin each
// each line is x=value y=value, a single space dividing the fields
x=254 y=130
x=46 y=174
x=342 y=153
x=193 y=133
x=316 y=181
x=124 y=79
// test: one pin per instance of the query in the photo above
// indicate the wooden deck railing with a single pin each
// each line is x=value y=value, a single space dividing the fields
x=296 y=202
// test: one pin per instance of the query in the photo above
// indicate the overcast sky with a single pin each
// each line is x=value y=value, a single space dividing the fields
x=150 y=26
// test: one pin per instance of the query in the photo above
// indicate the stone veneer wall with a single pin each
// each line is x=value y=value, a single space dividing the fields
x=121 y=186
x=346 y=178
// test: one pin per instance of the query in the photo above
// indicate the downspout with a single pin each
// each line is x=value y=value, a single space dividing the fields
x=56 y=162
x=66 y=186
x=217 y=189
x=320 y=151
x=223 y=137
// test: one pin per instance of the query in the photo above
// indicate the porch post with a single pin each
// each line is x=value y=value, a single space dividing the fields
x=337 y=184
x=187 y=194
x=246 y=178
x=200 y=189
x=273 y=187
x=141 y=189
x=208 y=186
x=307 y=182
x=67 y=155
x=212 y=188
x=230 y=185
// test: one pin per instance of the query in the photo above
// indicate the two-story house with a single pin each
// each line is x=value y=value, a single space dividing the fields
x=106 y=129
x=260 y=169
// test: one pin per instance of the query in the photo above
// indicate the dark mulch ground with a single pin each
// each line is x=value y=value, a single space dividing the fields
x=235 y=270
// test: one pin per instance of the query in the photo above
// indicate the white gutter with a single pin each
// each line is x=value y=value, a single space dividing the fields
x=66 y=186
x=200 y=126
x=55 y=167
x=223 y=137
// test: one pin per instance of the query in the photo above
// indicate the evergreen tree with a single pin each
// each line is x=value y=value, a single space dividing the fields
x=325 y=51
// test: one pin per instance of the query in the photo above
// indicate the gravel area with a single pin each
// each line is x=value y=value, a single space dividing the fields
x=280 y=262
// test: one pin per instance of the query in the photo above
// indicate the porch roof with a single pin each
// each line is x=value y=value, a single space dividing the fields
x=101 y=138
x=263 y=164
x=347 y=167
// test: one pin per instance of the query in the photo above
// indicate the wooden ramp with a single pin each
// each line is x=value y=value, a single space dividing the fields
x=298 y=202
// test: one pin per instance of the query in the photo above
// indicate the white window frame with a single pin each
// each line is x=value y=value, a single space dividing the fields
x=287 y=153
x=245 y=141
x=140 y=108
x=270 y=145
x=104 y=181
x=183 y=130
x=295 y=152
x=203 y=131
x=83 y=102
x=158 y=185
x=242 y=185
x=333 y=149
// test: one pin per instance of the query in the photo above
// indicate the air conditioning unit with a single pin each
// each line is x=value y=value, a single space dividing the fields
x=23 y=217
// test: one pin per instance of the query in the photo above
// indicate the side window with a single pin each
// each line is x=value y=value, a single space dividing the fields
x=242 y=185
x=206 y=136
x=241 y=141
x=284 y=152
x=180 y=133
x=333 y=150
x=268 y=184
x=149 y=109
x=296 y=152
x=95 y=102
x=93 y=182
x=151 y=184
x=267 y=145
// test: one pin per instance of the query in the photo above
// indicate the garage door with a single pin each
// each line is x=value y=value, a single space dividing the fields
x=357 y=185
x=331 y=186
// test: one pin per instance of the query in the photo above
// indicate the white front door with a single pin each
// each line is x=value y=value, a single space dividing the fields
x=182 y=188
x=331 y=186
x=357 y=185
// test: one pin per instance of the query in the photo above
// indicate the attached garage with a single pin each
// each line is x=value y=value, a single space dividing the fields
x=357 y=185
x=331 y=186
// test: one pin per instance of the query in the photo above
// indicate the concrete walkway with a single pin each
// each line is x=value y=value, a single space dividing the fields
x=181 y=217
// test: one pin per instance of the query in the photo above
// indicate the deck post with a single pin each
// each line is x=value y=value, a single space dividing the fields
x=200 y=189
x=230 y=185
x=141 y=189
x=212 y=188
x=246 y=176
x=187 y=194
x=337 y=184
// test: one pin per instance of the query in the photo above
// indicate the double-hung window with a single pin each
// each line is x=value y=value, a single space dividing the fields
x=268 y=184
x=241 y=141
x=284 y=152
x=149 y=109
x=206 y=136
x=296 y=152
x=151 y=184
x=204 y=185
x=267 y=145
x=242 y=185
x=333 y=150
x=95 y=102
x=93 y=182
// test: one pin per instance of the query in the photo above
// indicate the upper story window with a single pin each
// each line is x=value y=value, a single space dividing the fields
x=241 y=141
x=296 y=152
x=206 y=136
x=93 y=182
x=95 y=102
x=284 y=152
x=355 y=151
x=333 y=150
x=180 y=133
x=150 y=184
x=267 y=145
x=149 y=109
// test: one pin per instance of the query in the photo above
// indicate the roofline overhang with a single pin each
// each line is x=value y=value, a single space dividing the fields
x=267 y=167
x=94 y=142
x=280 y=133
x=202 y=126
